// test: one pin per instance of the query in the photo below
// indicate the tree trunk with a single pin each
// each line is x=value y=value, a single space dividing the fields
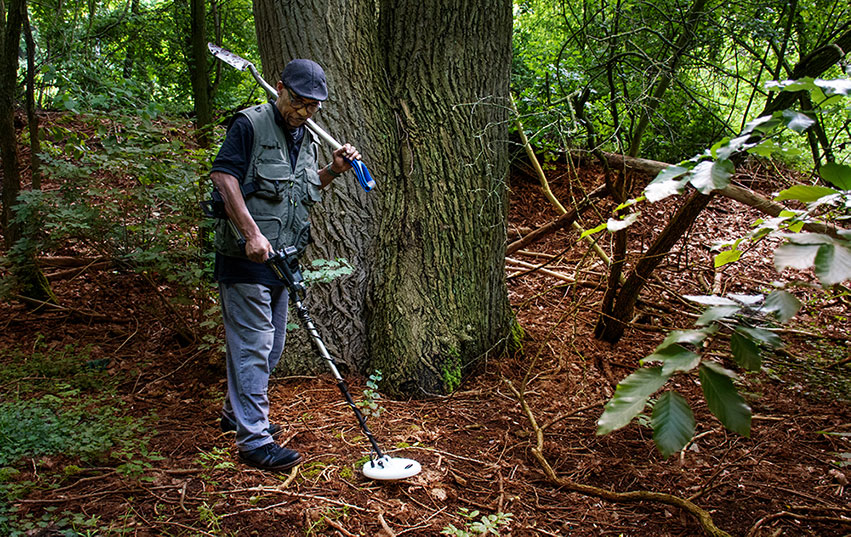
x=32 y=117
x=198 y=71
x=8 y=138
x=422 y=90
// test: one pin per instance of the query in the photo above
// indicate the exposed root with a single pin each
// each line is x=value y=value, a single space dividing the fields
x=701 y=515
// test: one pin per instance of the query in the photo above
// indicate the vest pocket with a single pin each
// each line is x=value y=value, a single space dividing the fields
x=312 y=185
x=272 y=228
x=272 y=180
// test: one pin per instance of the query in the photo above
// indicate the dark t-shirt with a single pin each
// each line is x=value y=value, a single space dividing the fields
x=233 y=159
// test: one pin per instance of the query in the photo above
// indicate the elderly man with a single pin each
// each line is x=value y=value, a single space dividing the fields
x=268 y=176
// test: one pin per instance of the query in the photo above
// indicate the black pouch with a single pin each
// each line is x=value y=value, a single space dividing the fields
x=215 y=206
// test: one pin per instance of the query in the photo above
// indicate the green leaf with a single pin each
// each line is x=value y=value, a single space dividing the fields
x=761 y=335
x=591 y=231
x=614 y=224
x=731 y=147
x=691 y=337
x=833 y=264
x=805 y=83
x=761 y=124
x=723 y=399
x=782 y=304
x=629 y=399
x=672 y=422
x=708 y=176
x=839 y=175
x=797 y=121
x=727 y=256
x=745 y=351
x=839 y=86
x=716 y=314
x=674 y=358
x=805 y=193
x=797 y=256
x=667 y=183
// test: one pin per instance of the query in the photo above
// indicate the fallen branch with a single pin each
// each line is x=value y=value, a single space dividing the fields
x=741 y=194
x=561 y=222
x=88 y=315
x=702 y=516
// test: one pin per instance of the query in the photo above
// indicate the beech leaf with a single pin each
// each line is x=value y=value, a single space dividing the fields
x=673 y=423
x=630 y=398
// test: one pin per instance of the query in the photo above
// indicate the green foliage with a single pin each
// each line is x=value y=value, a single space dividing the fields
x=584 y=73
x=148 y=222
x=216 y=459
x=451 y=372
x=486 y=525
x=370 y=405
x=107 y=56
x=61 y=402
x=747 y=320
x=327 y=270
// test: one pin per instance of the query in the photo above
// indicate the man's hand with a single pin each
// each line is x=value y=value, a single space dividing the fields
x=339 y=164
x=257 y=248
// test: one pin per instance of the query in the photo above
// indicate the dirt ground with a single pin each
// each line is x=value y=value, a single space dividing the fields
x=475 y=445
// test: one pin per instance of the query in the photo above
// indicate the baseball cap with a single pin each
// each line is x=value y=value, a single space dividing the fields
x=306 y=78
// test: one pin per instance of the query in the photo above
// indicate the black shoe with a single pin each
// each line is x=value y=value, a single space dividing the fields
x=229 y=426
x=270 y=457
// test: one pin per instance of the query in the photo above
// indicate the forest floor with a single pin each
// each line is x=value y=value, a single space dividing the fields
x=177 y=474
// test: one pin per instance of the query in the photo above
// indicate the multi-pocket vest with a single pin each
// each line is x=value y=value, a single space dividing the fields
x=277 y=196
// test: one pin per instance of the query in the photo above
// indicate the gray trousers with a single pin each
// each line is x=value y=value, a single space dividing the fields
x=255 y=319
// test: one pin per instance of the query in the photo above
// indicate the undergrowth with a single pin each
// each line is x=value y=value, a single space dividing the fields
x=58 y=415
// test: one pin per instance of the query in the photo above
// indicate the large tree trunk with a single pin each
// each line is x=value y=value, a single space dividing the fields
x=422 y=90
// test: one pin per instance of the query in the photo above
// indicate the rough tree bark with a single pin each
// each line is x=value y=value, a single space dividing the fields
x=422 y=90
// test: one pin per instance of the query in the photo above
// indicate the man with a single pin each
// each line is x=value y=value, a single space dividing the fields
x=268 y=177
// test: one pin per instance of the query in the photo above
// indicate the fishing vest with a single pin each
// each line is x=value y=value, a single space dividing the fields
x=277 y=196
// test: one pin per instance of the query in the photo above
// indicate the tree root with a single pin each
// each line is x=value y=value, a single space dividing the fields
x=702 y=516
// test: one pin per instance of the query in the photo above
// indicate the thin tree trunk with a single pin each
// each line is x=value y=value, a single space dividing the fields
x=198 y=71
x=32 y=117
x=8 y=137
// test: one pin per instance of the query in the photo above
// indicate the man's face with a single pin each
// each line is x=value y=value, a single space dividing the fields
x=294 y=109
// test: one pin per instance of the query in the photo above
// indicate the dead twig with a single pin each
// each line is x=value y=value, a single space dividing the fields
x=796 y=516
x=385 y=527
x=339 y=527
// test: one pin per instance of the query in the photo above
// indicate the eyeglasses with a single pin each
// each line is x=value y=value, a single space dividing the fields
x=298 y=103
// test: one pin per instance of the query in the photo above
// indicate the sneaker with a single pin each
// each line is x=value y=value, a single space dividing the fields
x=270 y=457
x=229 y=426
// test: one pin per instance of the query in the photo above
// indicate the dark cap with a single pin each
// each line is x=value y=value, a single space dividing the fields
x=306 y=79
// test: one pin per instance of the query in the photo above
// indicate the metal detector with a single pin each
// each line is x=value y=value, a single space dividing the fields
x=382 y=467
x=364 y=177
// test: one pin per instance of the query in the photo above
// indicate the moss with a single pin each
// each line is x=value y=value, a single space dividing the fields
x=451 y=371
x=516 y=335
